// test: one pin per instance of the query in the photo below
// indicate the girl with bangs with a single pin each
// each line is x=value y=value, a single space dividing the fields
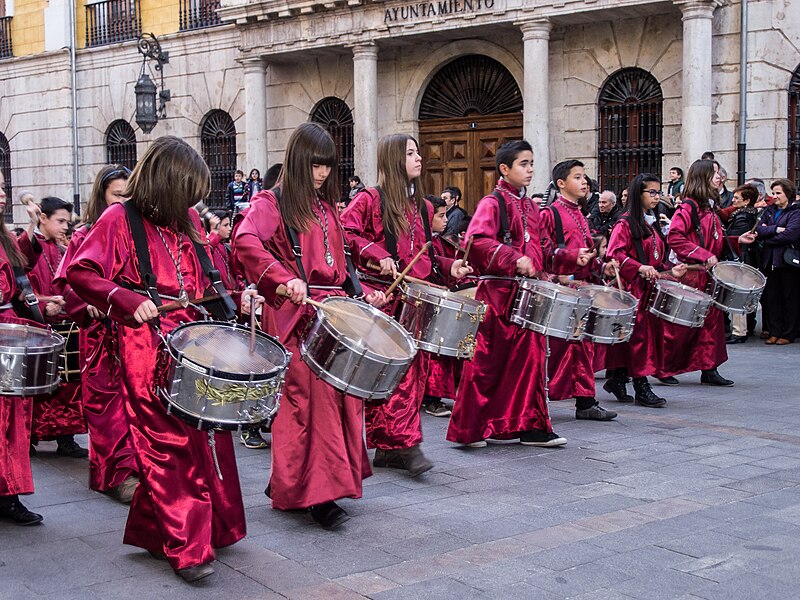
x=185 y=505
x=387 y=225
x=318 y=453
x=112 y=459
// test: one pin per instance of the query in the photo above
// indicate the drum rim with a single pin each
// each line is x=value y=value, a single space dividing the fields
x=575 y=298
x=472 y=306
x=337 y=382
x=748 y=268
x=181 y=358
x=669 y=283
x=367 y=352
x=56 y=347
x=607 y=288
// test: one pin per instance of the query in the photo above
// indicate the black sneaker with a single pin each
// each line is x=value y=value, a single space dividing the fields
x=737 y=339
x=595 y=413
x=69 y=447
x=712 y=377
x=329 y=515
x=437 y=408
x=668 y=380
x=543 y=439
x=252 y=439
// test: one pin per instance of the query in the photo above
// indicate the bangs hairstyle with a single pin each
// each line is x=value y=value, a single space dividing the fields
x=310 y=144
x=698 y=184
x=748 y=192
x=639 y=227
x=393 y=180
x=508 y=153
x=563 y=169
x=787 y=187
x=97 y=199
x=170 y=178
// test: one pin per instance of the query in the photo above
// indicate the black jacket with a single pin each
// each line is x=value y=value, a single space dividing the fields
x=601 y=223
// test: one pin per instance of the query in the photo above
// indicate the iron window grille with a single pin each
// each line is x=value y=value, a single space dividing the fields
x=6 y=49
x=112 y=21
x=198 y=14
x=630 y=122
x=5 y=167
x=794 y=129
x=121 y=144
x=218 y=145
x=335 y=116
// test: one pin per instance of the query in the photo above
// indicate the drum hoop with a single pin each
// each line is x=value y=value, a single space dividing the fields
x=736 y=288
x=444 y=298
x=183 y=360
x=537 y=285
x=56 y=339
x=665 y=285
x=339 y=383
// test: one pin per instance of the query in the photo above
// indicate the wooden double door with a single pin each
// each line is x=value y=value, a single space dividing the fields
x=461 y=152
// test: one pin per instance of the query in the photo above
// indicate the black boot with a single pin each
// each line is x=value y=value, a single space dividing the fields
x=617 y=385
x=712 y=377
x=13 y=510
x=329 y=515
x=645 y=396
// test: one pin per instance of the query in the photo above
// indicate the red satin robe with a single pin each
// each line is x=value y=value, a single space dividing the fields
x=60 y=412
x=642 y=354
x=15 y=411
x=181 y=507
x=112 y=458
x=570 y=367
x=318 y=451
x=695 y=348
x=501 y=392
x=395 y=424
x=221 y=256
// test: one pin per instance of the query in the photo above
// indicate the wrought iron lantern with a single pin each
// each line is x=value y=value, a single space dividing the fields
x=151 y=105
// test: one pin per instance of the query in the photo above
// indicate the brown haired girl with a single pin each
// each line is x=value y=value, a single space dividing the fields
x=112 y=460
x=318 y=453
x=182 y=509
x=387 y=225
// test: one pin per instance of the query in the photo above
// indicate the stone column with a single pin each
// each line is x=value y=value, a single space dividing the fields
x=535 y=97
x=255 y=110
x=365 y=112
x=696 y=97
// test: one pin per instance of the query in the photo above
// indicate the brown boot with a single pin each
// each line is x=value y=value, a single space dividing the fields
x=415 y=461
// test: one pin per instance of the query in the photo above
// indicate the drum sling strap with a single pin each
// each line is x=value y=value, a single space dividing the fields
x=391 y=239
x=223 y=309
x=351 y=285
x=505 y=229
x=559 y=226
x=27 y=307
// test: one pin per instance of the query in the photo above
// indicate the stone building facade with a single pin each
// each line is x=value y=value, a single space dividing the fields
x=538 y=68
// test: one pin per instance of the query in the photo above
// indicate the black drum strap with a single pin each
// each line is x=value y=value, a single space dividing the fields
x=429 y=238
x=142 y=252
x=389 y=237
x=224 y=308
x=559 y=226
x=505 y=229
x=693 y=208
x=637 y=243
x=29 y=307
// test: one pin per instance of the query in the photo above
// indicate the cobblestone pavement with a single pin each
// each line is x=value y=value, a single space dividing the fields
x=697 y=500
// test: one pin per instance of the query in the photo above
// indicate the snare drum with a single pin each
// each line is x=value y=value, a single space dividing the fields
x=737 y=287
x=215 y=382
x=442 y=322
x=29 y=359
x=679 y=304
x=550 y=309
x=611 y=316
x=357 y=349
x=70 y=363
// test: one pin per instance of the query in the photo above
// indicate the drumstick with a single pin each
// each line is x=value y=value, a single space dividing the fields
x=619 y=280
x=688 y=268
x=467 y=249
x=376 y=267
x=331 y=310
x=405 y=271
x=252 y=324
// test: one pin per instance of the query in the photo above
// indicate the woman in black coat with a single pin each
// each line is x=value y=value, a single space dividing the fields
x=742 y=220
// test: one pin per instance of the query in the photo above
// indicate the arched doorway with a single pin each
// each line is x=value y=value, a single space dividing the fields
x=471 y=106
x=335 y=116
x=121 y=144
x=794 y=128
x=218 y=144
x=630 y=109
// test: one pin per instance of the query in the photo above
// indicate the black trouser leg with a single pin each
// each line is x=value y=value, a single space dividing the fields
x=790 y=288
x=773 y=321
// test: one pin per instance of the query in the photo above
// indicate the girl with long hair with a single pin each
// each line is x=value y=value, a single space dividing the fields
x=112 y=459
x=637 y=245
x=696 y=236
x=188 y=501
x=387 y=225
x=318 y=453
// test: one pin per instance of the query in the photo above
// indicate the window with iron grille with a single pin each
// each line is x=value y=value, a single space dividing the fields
x=121 y=144
x=218 y=142
x=5 y=167
x=112 y=21
x=197 y=14
x=335 y=116
x=794 y=128
x=630 y=128
x=6 y=50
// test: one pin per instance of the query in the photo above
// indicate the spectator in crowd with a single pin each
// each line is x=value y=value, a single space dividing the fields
x=235 y=193
x=707 y=155
x=779 y=232
x=592 y=197
x=355 y=186
x=254 y=184
x=741 y=217
x=764 y=199
x=607 y=213
x=271 y=176
x=455 y=214
x=623 y=198
x=725 y=195
x=675 y=185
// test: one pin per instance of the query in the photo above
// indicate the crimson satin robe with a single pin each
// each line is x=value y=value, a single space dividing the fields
x=396 y=423
x=501 y=392
x=181 y=507
x=112 y=458
x=318 y=451
x=689 y=349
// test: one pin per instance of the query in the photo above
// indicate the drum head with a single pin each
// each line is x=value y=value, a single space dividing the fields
x=34 y=339
x=679 y=289
x=548 y=288
x=368 y=327
x=609 y=298
x=222 y=347
x=738 y=275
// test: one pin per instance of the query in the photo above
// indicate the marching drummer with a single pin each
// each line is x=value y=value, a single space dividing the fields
x=387 y=226
x=188 y=501
x=697 y=237
x=501 y=393
x=566 y=242
x=637 y=244
x=15 y=412
x=318 y=453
